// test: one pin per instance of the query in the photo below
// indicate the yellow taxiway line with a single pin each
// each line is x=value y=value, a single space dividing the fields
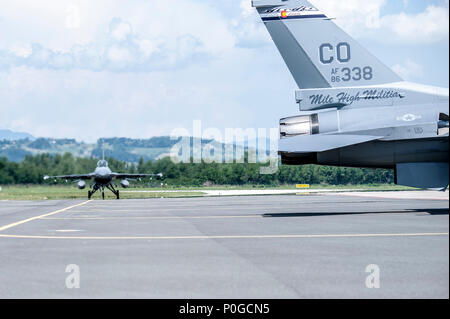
x=41 y=216
x=226 y=237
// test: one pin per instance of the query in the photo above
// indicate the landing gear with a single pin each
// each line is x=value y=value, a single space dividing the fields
x=112 y=189
x=90 y=193
x=96 y=187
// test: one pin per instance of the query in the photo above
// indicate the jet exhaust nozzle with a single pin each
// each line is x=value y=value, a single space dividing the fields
x=299 y=125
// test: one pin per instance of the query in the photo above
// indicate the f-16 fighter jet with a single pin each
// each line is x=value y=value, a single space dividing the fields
x=103 y=178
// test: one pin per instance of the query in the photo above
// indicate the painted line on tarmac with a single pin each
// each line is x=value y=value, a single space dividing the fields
x=405 y=195
x=162 y=209
x=152 y=217
x=227 y=237
x=41 y=216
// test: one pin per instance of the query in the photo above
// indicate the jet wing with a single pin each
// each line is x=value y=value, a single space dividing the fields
x=70 y=177
x=131 y=176
x=321 y=143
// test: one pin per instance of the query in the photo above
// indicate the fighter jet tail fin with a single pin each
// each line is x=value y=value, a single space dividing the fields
x=317 y=52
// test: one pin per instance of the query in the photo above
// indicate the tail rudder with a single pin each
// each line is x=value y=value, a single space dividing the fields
x=317 y=52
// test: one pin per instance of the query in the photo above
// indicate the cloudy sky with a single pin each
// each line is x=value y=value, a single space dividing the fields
x=140 y=68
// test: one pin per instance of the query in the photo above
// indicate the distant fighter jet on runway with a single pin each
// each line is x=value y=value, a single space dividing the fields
x=354 y=110
x=103 y=177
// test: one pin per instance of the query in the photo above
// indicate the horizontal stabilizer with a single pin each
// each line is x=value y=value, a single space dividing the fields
x=423 y=175
x=321 y=143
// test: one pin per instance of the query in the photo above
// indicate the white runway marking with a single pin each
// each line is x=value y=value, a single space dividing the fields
x=226 y=237
x=248 y=192
x=257 y=192
x=413 y=195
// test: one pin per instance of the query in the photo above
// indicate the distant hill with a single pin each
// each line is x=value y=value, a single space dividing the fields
x=14 y=136
x=123 y=149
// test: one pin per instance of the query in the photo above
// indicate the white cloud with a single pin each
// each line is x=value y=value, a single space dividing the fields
x=432 y=25
x=120 y=30
x=119 y=55
x=246 y=8
x=247 y=28
x=409 y=70
x=21 y=50
x=353 y=15
x=120 y=50
x=363 y=18
x=73 y=17
x=64 y=24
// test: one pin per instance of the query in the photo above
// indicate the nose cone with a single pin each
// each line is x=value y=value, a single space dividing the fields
x=102 y=172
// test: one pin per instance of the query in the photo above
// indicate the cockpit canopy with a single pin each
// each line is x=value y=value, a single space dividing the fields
x=102 y=163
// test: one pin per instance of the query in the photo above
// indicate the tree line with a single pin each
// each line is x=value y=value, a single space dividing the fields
x=32 y=169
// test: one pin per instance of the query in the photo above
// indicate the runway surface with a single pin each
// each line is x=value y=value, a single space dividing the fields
x=308 y=246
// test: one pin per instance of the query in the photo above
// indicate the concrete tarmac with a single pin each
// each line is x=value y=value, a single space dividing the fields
x=308 y=246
